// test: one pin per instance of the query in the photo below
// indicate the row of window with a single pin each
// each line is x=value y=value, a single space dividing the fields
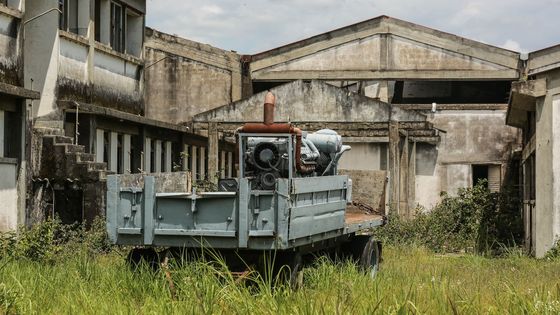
x=116 y=24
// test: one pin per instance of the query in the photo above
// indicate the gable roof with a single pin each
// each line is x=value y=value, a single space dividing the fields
x=385 y=48
x=314 y=101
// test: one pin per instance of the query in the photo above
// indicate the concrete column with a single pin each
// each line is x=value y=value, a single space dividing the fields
x=212 y=151
x=126 y=154
x=229 y=164
x=403 y=179
x=147 y=155
x=412 y=178
x=185 y=157
x=157 y=156
x=113 y=156
x=394 y=157
x=202 y=161
x=99 y=145
x=2 y=135
x=194 y=158
x=223 y=164
x=168 y=162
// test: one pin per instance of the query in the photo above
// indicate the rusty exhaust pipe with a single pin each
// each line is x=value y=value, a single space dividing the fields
x=268 y=117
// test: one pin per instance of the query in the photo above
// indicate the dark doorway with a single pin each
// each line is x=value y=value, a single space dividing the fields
x=68 y=204
x=479 y=172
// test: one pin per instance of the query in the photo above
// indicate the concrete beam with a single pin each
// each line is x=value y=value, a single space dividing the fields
x=532 y=88
x=350 y=75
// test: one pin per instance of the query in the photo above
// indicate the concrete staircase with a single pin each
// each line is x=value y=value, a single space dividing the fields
x=63 y=159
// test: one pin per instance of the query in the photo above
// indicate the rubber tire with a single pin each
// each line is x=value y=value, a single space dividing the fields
x=370 y=258
x=138 y=256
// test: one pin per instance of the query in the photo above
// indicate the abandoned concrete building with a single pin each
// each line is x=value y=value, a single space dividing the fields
x=533 y=107
x=88 y=90
x=460 y=88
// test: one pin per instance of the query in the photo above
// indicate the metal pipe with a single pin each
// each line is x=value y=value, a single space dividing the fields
x=268 y=117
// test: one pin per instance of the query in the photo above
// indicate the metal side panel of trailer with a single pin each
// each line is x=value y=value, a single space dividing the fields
x=301 y=211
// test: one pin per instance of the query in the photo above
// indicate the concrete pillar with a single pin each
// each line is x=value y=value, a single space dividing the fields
x=394 y=157
x=403 y=179
x=113 y=157
x=202 y=162
x=412 y=178
x=2 y=135
x=223 y=164
x=229 y=164
x=99 y=145
x=126 y=154
x=185 y=157
x=147 y=155
x=194 y=158
x=168 y=160
x=212 y=151
x=157 y=156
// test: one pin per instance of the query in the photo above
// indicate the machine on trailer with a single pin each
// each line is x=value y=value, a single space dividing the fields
x=287 y=200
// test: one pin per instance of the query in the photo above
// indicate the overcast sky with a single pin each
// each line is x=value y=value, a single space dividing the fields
x=251 y=26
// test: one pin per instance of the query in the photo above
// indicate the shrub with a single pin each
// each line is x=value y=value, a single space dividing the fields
x=476 y=220
x=51 y=240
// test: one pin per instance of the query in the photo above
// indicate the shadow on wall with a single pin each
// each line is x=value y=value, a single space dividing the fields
x=426 y=158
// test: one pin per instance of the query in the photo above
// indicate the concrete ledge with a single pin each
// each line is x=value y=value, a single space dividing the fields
x=110 y=51
x=18 y=91
x=70 y=106
x=439 y=107
x=11 y=12
x=5 y=160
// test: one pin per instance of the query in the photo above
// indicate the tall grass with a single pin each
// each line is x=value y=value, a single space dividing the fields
x=411 y=280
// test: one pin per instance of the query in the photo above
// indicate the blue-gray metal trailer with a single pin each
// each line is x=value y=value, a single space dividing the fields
x=286 y=199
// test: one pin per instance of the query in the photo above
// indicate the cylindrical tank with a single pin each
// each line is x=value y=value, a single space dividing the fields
x=326 y=140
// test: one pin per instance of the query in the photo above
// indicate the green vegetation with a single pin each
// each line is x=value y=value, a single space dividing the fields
x=474 y=221
x=430 y=266
x=411 y=280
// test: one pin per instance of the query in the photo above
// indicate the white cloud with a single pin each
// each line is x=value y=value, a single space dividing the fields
x=512 y=45
x=250 y=26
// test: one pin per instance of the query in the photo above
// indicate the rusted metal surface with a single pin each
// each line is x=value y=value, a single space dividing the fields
x=352 y=217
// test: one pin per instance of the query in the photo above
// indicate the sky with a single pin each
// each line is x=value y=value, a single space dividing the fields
x=252 y=26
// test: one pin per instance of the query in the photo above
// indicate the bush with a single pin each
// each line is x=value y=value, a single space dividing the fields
x=476 y=220
x=51 y=240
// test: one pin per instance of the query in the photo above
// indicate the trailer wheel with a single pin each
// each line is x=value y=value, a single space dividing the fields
x=139 y=256
x=370 y=257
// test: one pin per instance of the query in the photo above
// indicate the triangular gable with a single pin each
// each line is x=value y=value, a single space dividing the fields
x=313 y=101
x=384 y=48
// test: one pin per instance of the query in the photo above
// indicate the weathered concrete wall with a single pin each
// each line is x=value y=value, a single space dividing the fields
x=9 y=196
x=547 y=208
x=165 y=182
x=66 y=66
x=367 y=186
x=471 y=137
x=313 y=101
x=365 y=156
x=10 y=49
x=385 y=48
x=184 y=78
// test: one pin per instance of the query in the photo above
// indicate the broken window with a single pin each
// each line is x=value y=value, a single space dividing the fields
x=117 y=27
x=75 y=16
x=492 y=173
